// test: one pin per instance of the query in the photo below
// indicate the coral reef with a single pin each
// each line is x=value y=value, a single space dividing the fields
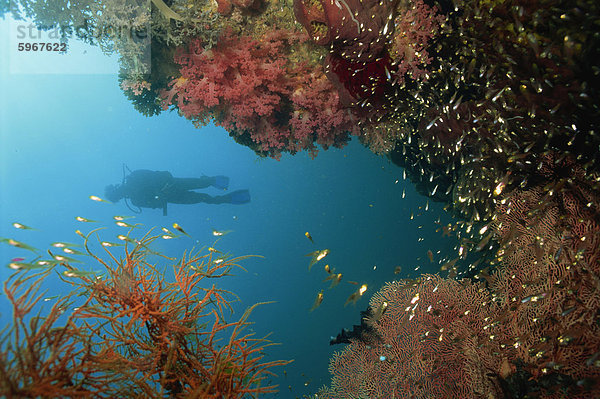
x=247 y=86
x=132 y=332
x=489 y=106
x=529 y=328
x=550 y=275
x=434 y=342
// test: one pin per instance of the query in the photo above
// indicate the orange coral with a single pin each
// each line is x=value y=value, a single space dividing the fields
x=136 y=333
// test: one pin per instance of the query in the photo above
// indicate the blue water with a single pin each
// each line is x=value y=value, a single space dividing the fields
x=65 y=137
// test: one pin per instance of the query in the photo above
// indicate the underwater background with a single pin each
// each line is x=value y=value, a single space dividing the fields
x=66 y=136
x=425 y=191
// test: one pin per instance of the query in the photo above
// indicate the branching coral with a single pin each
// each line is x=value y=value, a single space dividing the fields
x=136 y=333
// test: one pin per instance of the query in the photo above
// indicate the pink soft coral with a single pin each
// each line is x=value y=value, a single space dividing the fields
x=248 y=87
x=415 y=26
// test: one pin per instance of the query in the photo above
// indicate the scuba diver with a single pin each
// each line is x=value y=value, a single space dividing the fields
x=155 y=189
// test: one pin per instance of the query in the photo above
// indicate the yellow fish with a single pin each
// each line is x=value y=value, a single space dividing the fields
x=307 y=234
x=180 y=229
x=336 y=279
x=356 y=295
x=318 y=301
x=316 y=256
x=377 y=313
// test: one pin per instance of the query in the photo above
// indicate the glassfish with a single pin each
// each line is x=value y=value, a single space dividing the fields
x=318 y=301
x=307 y=234
x=356 y=295
x=316 y=256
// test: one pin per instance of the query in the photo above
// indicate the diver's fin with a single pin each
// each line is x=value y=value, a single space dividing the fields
x=221 y=182
x=239 y=197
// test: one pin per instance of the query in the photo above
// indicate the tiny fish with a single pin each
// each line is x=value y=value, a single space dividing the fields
x=502 y=184
x=220 y=233
x=376 y=315
x=22 y=266
x=336 y=278
x=398 y=270
x=67 y=259
x=449 y=264
x=180 y=229
x=356 y=295
x=61 y=244
x=120 y=223
x=126 y=239
x=17 y=259
x=430 y=255
x=120 y=218
x=484 y=241
x=110 y=244
x=168 y=231
x=18 y=244
x=316 y=256
x=82 y=219
x=76 y=273
x=72 y=251
x=98 y=199
x=22 y=226
x=44 y=262
x=51 y=298
x=318 y=301
x=307 y=234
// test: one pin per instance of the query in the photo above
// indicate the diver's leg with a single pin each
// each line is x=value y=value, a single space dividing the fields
x=192 y=183
x=192 y=197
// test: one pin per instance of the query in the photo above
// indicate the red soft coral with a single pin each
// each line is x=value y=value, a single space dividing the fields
x=319 y=112
x=241 y=79
x=248 y=87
